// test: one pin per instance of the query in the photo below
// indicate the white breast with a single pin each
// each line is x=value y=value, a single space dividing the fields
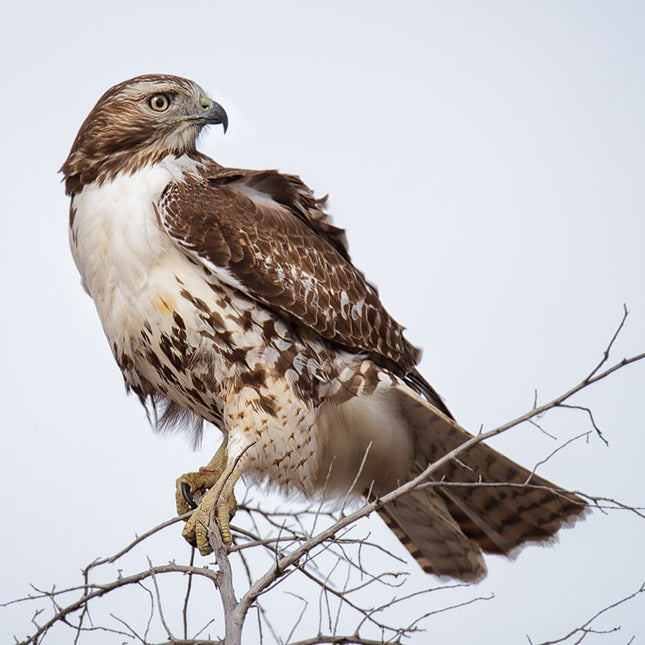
x=119 y=247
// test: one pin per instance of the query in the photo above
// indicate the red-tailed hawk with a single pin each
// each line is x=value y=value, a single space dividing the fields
x=228 y=296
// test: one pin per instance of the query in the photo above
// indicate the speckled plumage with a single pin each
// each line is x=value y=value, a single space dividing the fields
x=228 y=296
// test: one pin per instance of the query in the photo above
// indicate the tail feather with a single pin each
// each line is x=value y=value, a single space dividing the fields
x=439 y=546
x=505 y=506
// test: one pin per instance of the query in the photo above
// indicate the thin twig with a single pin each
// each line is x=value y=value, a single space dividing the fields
x=585 y=628
x=553 y=452
x=101 y=590
x=342 y=640
x=189 y=585
x=159 y=605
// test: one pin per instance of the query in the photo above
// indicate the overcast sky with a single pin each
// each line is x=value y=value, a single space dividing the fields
x=487 y=160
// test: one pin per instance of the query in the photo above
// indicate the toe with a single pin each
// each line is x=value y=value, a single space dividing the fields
x=189 y=532
x=201 y=536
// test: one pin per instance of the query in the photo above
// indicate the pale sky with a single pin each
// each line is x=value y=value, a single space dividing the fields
x=487 y=160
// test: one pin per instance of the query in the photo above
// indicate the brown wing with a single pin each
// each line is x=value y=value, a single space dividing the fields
x=265 y=234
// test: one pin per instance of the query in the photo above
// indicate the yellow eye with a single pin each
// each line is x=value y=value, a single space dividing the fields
x=159 y=102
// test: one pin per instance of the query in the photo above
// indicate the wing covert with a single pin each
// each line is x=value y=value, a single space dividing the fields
x=264 y=232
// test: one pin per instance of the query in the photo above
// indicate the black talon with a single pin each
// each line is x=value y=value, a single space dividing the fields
x=185 y=491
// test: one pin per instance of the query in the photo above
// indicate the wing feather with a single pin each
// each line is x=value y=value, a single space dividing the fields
x=267 y=235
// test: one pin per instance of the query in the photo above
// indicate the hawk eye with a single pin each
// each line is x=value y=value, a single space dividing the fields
x=159 y=102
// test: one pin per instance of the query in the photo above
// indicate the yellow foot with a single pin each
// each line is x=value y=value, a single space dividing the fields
x=210 y=487
x=221 y=498
x=192 y=486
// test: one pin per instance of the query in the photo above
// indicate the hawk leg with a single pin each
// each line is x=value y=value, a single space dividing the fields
x=214 y=485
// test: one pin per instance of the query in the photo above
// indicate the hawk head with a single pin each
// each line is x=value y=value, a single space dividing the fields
x=138 y=122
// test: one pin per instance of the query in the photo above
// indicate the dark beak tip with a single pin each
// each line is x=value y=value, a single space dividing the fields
x=217 y=114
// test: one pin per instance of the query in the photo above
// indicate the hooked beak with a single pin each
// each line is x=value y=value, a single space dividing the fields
x=214 y=113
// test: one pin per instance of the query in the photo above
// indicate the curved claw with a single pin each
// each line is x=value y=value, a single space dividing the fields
x=185 y=491
x=190 y=488
x=220 y=502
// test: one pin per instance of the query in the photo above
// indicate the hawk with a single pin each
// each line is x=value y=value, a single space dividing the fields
x=228 y=296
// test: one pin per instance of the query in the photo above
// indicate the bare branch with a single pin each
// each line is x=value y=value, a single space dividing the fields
x=553 y=452
x=138 y=540
x=587 y=628
x=350 y=490
x=303 y=545
x=101 y=590
x=607 y=351
x=184 y=613
x=232 y=621
x=590 y=415
x=158 y=595
x=343 y=640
